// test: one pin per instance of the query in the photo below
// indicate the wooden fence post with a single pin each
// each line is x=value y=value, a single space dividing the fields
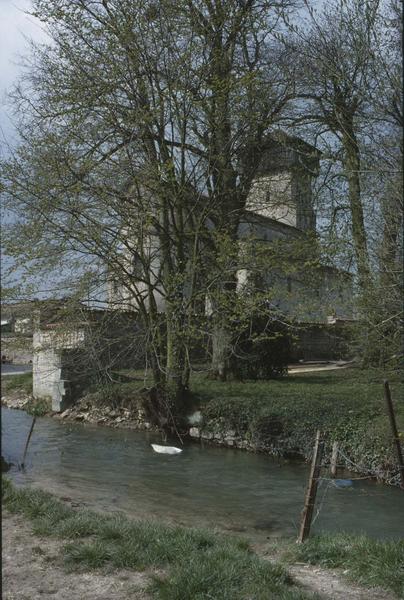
x=390 y=410
x=334 y=460
x=27 y=442
x=311 y=491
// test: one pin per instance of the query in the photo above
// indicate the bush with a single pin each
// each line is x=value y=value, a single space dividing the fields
x=232 y=413
x=266 y=427
x=115 y=395
x=261 y=351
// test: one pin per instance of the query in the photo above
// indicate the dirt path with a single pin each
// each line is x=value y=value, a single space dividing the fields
x=31 y=570
x=331 y=585
x=332 y=366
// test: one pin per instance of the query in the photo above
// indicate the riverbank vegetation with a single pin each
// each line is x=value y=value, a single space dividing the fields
x=191 y=563
x=282 y=415
x=346 y=405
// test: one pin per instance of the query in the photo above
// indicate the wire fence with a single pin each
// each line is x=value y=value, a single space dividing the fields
x=371 y=473
x=328 y=482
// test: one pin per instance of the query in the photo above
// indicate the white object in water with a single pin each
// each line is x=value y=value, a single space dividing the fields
x=166 y=449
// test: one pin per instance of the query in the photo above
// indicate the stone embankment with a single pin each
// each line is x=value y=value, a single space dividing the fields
x=111 y=417
x=273 y=442
x=84 y=412
x=124 y=418
x=230 y=439
x=18 y=401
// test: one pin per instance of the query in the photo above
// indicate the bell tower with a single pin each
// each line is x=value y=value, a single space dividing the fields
x=282 y=188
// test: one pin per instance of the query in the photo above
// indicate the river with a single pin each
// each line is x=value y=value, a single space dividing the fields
x=259 y=496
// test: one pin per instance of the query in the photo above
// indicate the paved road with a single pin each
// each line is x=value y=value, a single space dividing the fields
x=15 y=369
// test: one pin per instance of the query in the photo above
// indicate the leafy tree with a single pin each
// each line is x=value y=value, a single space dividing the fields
x=140 y=127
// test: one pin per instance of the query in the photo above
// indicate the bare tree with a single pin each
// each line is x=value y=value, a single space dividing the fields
x=333 y=61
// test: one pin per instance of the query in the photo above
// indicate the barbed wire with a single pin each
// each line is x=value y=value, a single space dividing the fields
x=322 y=501
x=332 y=481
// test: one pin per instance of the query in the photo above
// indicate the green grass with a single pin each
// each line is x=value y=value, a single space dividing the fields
x=347 y=405
x=197 y=564
x=366 y=561
x=22 y=381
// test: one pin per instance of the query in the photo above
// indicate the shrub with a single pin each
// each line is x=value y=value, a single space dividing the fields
x=265 y=427
x=38 y=407
x=116 y=395
x=261 y=351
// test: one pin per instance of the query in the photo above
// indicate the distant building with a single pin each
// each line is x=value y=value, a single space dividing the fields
x=279 y=207
x=16 y=332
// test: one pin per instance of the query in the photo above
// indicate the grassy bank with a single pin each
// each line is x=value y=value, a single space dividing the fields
x=365 y=561
x=184 y=564
x=20 y=382
x=347 y=405
x=195 y=563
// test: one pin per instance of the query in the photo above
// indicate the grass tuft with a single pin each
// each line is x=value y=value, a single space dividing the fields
x=87 y=556
x=78 y=525
x=364 y=560
x=232 y=574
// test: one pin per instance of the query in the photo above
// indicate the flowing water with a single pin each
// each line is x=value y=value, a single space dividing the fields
x=112 y=469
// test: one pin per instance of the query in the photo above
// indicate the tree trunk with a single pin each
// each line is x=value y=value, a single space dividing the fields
x=352 y=167
x=177 y=373
x=220 y=351
x=390 y=267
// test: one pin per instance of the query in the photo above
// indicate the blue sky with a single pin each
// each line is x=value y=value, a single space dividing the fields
x=15 y=27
